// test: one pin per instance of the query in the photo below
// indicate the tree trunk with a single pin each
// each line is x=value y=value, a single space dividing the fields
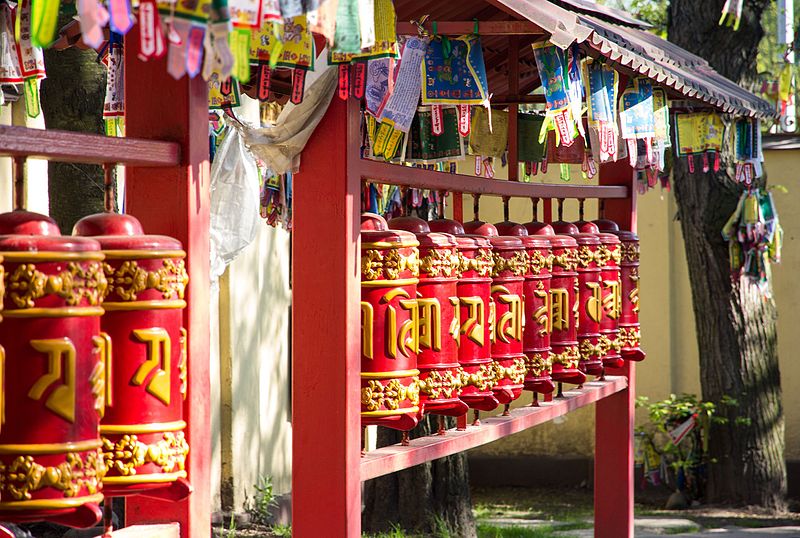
x=72 y=100
x=735 y=322
x=424 y=497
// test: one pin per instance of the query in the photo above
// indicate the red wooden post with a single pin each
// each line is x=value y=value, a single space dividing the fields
x=175 y=201
x=613 y=459
x=326 y=428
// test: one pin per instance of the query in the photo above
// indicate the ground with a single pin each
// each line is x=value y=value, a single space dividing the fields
x=567 y=512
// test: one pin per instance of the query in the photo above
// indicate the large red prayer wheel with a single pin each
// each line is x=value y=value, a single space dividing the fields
x=608 y=259
x=474 y=290
x=508 y=357
x=54 y=374
x=439 y=323
x=563 y=311
x=389 y=329
x=144 y=445
x=536 y=294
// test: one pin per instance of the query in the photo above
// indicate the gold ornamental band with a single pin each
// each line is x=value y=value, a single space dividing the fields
x=51 y=256
x=155 y=478
x=175 y=304
x=387 y=244
x=388 y=283
x=156 y=427
x=384 y=413
x=55 y=312
x=51 y=448
x=47 y=504
x=388 y=375
x=143 y=254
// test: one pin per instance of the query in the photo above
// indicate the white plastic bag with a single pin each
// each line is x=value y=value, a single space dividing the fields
x=234 y=201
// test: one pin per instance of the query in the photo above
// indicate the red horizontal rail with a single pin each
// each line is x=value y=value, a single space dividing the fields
x=67 y=146
x=468 y=27
x=397 y=457
x=395 y=174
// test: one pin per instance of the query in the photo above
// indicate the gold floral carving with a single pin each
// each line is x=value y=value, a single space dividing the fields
x=129 y=279
x=26 y=284
x=438 y=383
x=539 y=261
x=567 y=260
x=183 y=362
x=389 y=394
x=24 y=476
x=603 y=255
x=515 y=372
x=128 y=453
x=376 y=264
x=630 y=252
x=516 y=264
x=585 y=256
x=629 y=337
x=568 y=358
x=606 y=344
x=440 y=263
x=482 y=263
x=599 y=350
x=482 y=379
x=539 y=363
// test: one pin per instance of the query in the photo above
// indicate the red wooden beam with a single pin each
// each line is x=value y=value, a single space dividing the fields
x=326 y=339
x=468 y=27
x=68 y=147
x=396 y=457
x=175 y=201
x=613 y=466
x=393 y=174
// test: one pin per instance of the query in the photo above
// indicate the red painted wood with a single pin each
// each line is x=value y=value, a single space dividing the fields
x=175 y=201
x=392 y=174
x=396 y=457
x=326 y=494
x=547 y=211
x=65 y=146
x=613 y=470
x=458 y=206
x=468 y=27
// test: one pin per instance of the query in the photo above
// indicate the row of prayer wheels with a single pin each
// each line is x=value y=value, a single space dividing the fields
x=457 y=317
x=93 y=365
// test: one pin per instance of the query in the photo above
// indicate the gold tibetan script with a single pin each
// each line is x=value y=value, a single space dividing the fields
x=509 y=325
x=559 y=309
x=542 y=315
x=406 y=338
x=158 y=358
x=100 y=378
x=60 y=356
x=594 y=304
x=430 y=324
x=612 y=302
x=634 y=294
x=455 y=325
x=367 y=321
x=476 y=314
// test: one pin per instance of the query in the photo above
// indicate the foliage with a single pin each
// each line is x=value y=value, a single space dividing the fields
x=486 y=530
x=688 y=459
x=282 y=530
x=259 y=506
x=653 y=12
x=231 y=529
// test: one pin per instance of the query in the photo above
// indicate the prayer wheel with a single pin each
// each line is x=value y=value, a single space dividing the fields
x=142 y=431
x=563 y=310
x=508 y=357
x=54 y=373
x=474 y=289
x=389 y=329
x=629 y=331
x=439 y=325
x=536 y=294
x=373 y=221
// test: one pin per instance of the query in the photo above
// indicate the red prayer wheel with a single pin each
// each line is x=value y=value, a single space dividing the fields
x=439 y=324
x=54 y=374
x=142 y=431
x=373 y=221
x=563 y=311
x=389 y=329
x=507 y=316
x=608 y=259
x=629 y=332
x=536 y=294
x=474 y=289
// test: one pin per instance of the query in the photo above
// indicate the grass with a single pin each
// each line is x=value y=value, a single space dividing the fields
x=543 y=531
x=682 y=530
